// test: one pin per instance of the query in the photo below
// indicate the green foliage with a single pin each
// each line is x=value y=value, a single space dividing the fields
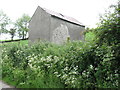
x=4 y=22
x=20 y=73
x=12 y=32
x=74 y=65
x=108 y=30
x=90 y=36
x=22 y=26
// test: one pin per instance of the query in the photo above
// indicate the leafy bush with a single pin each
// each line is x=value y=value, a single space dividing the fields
x=16 y=69
x=74 y=65
x=108 y=30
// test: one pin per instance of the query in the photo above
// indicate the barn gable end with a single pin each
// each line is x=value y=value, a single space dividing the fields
x=39 y=25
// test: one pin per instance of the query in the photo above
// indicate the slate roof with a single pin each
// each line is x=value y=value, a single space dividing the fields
x=63 y=17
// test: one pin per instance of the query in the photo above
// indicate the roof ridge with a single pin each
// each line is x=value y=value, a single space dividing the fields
x=61 y=16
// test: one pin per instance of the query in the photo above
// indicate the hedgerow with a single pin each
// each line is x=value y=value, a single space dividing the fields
x=73 y=65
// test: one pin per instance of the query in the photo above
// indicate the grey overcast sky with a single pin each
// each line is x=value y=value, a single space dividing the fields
x=85 y=11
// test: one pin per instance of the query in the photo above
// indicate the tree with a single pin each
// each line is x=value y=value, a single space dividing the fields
x=108 y=30
x=4 y=21
x=12 y=32
x=22 y=26
x=5 y=25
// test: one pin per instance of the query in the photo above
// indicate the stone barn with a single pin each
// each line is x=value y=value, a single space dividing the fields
x=47 y=25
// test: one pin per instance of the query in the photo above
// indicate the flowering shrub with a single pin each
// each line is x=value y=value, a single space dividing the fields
x=74 y=65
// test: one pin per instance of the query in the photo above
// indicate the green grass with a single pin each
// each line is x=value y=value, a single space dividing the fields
x=18 y=43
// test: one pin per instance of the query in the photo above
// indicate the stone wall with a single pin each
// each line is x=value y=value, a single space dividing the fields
x=60 y=34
